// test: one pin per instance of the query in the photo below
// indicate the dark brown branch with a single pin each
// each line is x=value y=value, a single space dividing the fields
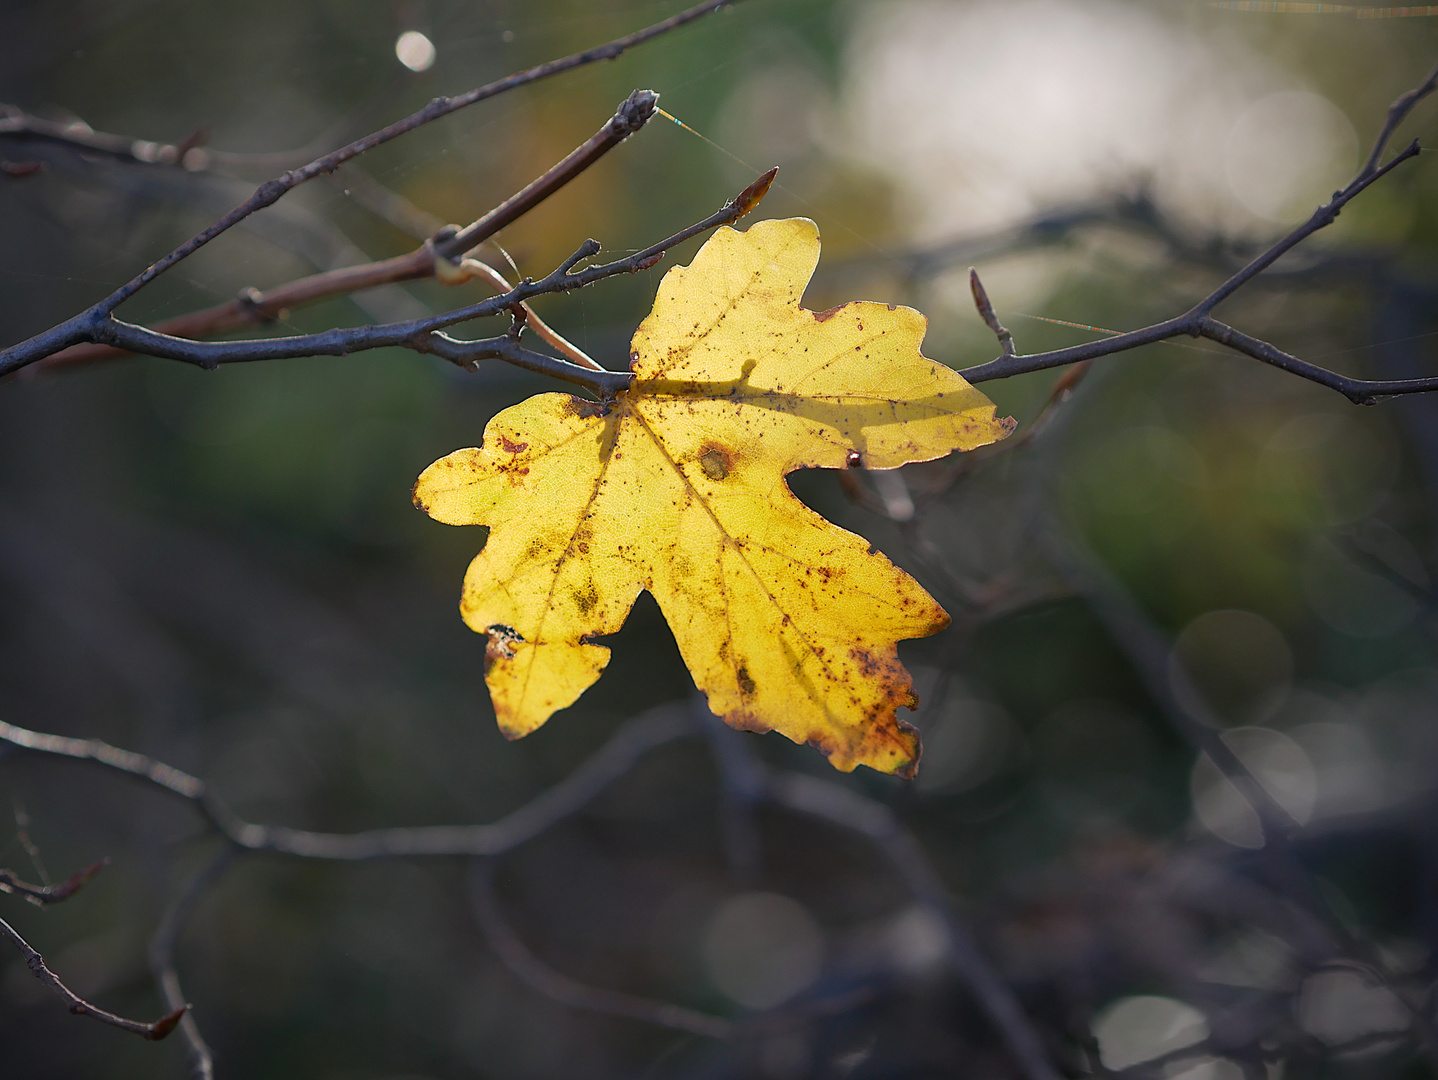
x=423 y=335
x=1198 y=322
x=154 y=1030
x=1359 y=391
x=44 y=895
x=271 y=191
x=631 y=115
x=1397 y=113
x=254 y=307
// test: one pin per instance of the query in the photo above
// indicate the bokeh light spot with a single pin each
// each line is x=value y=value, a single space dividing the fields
x=760 y=949
x=1140 y=1028
x=415 y=51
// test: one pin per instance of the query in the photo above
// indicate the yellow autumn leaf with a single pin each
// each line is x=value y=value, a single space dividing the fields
x=786 y=621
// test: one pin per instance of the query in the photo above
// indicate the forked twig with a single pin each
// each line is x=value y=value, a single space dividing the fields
x=1198 y=320
x=441 y=255
x=82 y=327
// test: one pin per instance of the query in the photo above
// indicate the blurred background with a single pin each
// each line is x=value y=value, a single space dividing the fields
x=224 y=570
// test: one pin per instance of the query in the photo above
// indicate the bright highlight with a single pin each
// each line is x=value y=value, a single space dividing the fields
x=415 y=51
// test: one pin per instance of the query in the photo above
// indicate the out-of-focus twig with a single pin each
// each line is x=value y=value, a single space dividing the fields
x=559 y=802
x=835 y=804
x=43 y=895
x=543 y=978
x=632 y=742
x=162 y=958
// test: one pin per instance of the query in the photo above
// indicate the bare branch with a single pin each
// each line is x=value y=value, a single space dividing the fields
x=16 y=123
x=385 y=204
x=631 y=115
x=272 y=190
x=71 y=331
x=162 y=958
x=846 y=809
x=421 y=335
x=1397 y=113
x=1198 y=322
x=154 y=1030
x=632 y=742
x=1359 y=391
x=441 y=255
x=44 y=895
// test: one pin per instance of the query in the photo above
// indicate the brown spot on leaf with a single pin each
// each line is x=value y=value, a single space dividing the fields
x=826 y=315
x=511 y=446
x=716 y=461
x=586 y=409
x=869 y=664
x=500 y=645
x=586 y=598
x=747 y=721
x=746 y=684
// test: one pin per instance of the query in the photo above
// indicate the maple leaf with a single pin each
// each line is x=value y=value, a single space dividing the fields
x=786 y=621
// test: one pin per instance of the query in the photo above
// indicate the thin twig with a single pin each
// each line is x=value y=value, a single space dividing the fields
x=631 y=115
x=837 y=805
x=154 y=1030
x=74 y=331
x=438 y=256
x=986 y=312
x=162 y=958
x=1198 y=321
x=632 y=742
x=1170 y=686
x=828 y=801
x=421 y=335
x=385 y=204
